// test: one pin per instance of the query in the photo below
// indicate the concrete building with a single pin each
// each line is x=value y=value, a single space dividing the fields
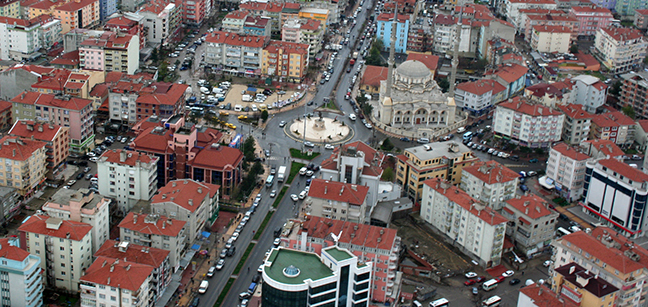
x=477 y=229
x=512 y=76
x=620 y=49
x=110 y=52
x=629 y=7
x=377 y=245
x=6 y=116
x=337 y=200
x=127 y=176
x=304 y=31
x=10 y=8
x=236 y=53
x=588 y=91
x=601 y=149
x=321 y=14
x=78 y=14
x=532 y=18
x=19 y=39
x=641 y=19
x=187 y=200
x=489 y=182
x=83 y=206
x=475 y=96
x=64 y=248
x=532 y=223
x=335 y=277
x=566 y=167
x=162 y=19
x=233 y=21
x=10 y=205
x=445 y=33
x=155 y=231
x=591 y=19
x=576 y=284
x=257 y=25
x=614 y=126
x=384 y=24
x=444 y=160
x=108 y=281
x=371 y=79
x=539 y=295
x=22 y=284
x=25 y=162
x=132 y=100
x=511 y=9
x=56 y=139
x=634 y=92
x=528 y=124
x=551 y=39
x=128 y=23
x=576 y=127
x=288 y=61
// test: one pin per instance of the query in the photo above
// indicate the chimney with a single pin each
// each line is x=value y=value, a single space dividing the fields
x=128 y=267
x=199 y=190
x=190 y=202
x=173 y=184
x=14 y=152
x=122 y=156
x=325 y=189
x=572 y=269
x=40 y=128
x=112 y=268
x=134 y=218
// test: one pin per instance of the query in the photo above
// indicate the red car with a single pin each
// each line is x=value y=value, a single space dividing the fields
x=480 y=279
x=500 y=279
x=470 y=282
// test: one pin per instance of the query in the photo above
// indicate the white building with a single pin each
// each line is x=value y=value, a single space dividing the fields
x=22 y=281
x=19 y=38
x=239 y=53
x=337 y=200
x=620 y=49
x=115 y=282
x=527 y=124
x=489 y=182
x=589 y=92
x=162 y=21
x=127 y=176
x=476 y=228
x=578 y=122
x=532 y=223
x=64 y=247
x=82 y=206
x=475 y=96
x=511 y=9
x=566 y=167
x=547 y=38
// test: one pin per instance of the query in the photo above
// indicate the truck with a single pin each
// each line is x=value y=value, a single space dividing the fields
x=281 y=173
x=355 y=55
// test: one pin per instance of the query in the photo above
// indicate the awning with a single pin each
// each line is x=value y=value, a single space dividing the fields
x=195 y=247
x=546 y=182
x=206 y=234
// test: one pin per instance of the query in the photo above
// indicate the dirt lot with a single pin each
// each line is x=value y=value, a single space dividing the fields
x=234 y=96
x=421 y=240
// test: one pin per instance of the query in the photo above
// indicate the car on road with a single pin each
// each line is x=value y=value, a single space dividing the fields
x=531 y=173
x=309 y=144
x=277 y=241
x=88 y=176
x=303 y=194
x=244 y=303
x=508 y=273
x=475 y=291
x=500 y=279
x=352 y=117
x=636 y=157
x=294 y=197
x=71 y=182
x=223 y=253
x=547 y=263
x=471 y=275
x=514 y=281
x=524 y=188
x=273 y=193
x=203 y=287
x=368 y=126
x=235 y=236
x=309 y=173
x=220 y=264
x=404 y=139
x=329 y=147
x=211 y=271
x=94 y=159
x=534 y=160
x=267 y=152
x=244 y=295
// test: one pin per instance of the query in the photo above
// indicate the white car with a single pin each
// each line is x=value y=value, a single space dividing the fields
x=329 y=146
x=508 y=273
x=352 y=117
x=235 y=236
x=71 y=182
x=273 y=193
x=471 y=275
x=94 y=159
x=547 y=263
x=294 y=197
x=276 y=242
x=303 y=194
x=309 y=173
x=220 y=264
x=204 y=285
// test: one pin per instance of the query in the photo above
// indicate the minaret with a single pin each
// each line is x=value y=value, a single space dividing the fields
x=392 y=53
x=455 y=55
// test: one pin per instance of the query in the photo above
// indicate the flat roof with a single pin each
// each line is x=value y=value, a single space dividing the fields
x=64 y=196
x=438 y=150
x=310 y=266
x=338 y=254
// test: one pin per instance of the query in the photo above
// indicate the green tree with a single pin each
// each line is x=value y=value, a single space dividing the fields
x=444 y=84
x=616 y=88
x=361 y=99
x=646 y=60
x=366 y=108
x=249 y=149
x=629 y=111
x=378 y=44
x=264 y=115
x=387 y=145
x=573 y=48
x=154 y=55
x=388 y=174
x=163 y=70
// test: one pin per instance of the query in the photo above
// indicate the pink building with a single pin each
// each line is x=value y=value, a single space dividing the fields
x=591 y=19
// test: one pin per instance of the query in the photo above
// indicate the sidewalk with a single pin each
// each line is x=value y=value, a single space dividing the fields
x=567 y=210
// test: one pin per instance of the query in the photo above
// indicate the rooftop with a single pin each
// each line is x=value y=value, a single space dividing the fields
x=309 y=264
x=51 y=100
x=373 y=75
x=154 y=225
x=612 y=119
x=131 y=252
x=624 y=170
x=541 y=295
x=511 y=72
x=40 y=131
x=63 y=197
x=17 y=148
x=338 y=254
x=351 y=233
x=186 y=193
x=575 y=111
x=584 y=279
x=591 y=9
x=431 y=61
x=447 y=149
x=607 y=147
x=54 y=227
x=390 y=17
x=491 y=172
x=222 y=157
x=338 y=191
x=570 y=152
x=233 y=39
x=622 y=34
x=478 y=87
x=531 y=206
x=552 y=29
x=531 y=109
x=130 y=158
x=10 y=251
x=115 y=273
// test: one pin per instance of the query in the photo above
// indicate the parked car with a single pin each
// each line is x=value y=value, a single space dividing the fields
x=508 y=273
x=471 y=275
x=514 y=281
x=220 y=264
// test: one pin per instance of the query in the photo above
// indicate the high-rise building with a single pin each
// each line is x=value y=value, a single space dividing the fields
x=127 y=176
x=22 y=281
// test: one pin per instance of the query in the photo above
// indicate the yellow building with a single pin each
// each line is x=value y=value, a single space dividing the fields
x=285 y=59
x=434 y=160
x=45 y=7
x=551 y=39
x=25 y=161
x=77 y=14
x=576 y=284
x=317 y=14
x=10 y=8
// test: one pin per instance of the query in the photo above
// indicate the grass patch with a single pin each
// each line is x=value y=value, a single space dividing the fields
x=223 y=294
x=263 y=225
x=294 y=170
x=631 y=151
x=330 y=105
x=246 y=254
x=275 y=204
x=561 y=201
x=296 y=153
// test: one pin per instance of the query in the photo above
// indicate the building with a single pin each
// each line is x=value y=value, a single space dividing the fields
x=80 y=14
x=6 y=116
x=512 y=9
x=591 y=19
x=234 y=21
x=577 y=123
x=641 y=134
x=576 y=284
x=129 y=23
x=19 y=39
x=195 y=13
x=512 y=76
x=559 y=18
x=64 y=248
x=629 y=7
x=127 y=176
x=304 y=31
x=475 y=97
x=63 y=110
x=602 y=149
x=371 y=78
x=614 y=258
x=155 y=231
x=113 y=280
x=337 y=200
x=527 y=124
x=566 y=167
x=489 y=182
x=539 y=295
x=588 y=91
x=374 y=244
x=10 y=8
x=614 y=126
x=83 y=206
x=620 y=49
x=431 y=61
x=190 y=201
x=476 y=229
x=444 y=160
x=132 y=99
x=445 y=33
x=384 y=24
x=10 y=205
x=56 y=139
x=634 y=92
x=236 y=53
x=551 y=39
x=162 y=21
x=334 y=269
x=28 y=159
x=641 y=19
x=257 y=25
x=288 y=61
x=110 y=52
x=322 y=15
x=21 y=273
x=532 y=223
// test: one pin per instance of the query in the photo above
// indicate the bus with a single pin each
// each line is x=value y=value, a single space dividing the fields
x=492 y=301
x=269 y=181
x=440 y=303
x=489 y=285
x=562 y=232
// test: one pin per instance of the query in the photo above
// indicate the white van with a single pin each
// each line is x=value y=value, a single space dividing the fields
x=203 y=287
x=238 y=108
x=247 y=98
x=416 y=304
x=254 y=108
x=204 y=90
x=352 y=117
x=461 y=129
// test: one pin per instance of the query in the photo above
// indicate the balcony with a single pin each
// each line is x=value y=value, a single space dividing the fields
x=393 y=266
x=393 y=257
x=391 y=274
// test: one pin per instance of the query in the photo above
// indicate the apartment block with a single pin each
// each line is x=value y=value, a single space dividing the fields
x=601 y=149
x=78 y=14
x=629 y=7
x=614 y=126
x=83 y=206
x=576 y=284
x=110 y=52
x=10 y=204
x=512 y=76
x=620 y=49
x=304 y=31
x=21 y=39
x=64 y=248
x=233 y=21
x=551 y=39
x=155 y=231
x=588 y=91
x=257 y=25
x=132 y=99
x=489 y=182
x=129 y=23
x=10 y=8
x=24 y=161
x=384 y=24
x=528 y=124
x=21 y=274
x=532 y=223
x=108 y=281
x=634 y=92
x=539 y=295
x=6 y=114
x=56 y=139
x=591 y=19
x=236 y=53
x=566 y=167
x=337 y=201
x=127 y=176
x=576 y=127
x=162 y=19
x=559 y=18
x=444 y=160
x=511 y=9
x=196 y=11
x=445 y=33
x=475 y=96
x=477 y=229
x=641 y=19
x=369 y=243
x=289 y=61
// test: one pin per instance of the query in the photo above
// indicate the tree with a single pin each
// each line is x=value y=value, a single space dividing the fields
x=361 y=99
x=629 y=111
x=387 y=145
x=264 y=115
x=573 y=48
x=388 y=174
x=248 y=149
x=366 y=108
x=378 y=44
x=154 y=55
x=444 y=84
x=616 y=88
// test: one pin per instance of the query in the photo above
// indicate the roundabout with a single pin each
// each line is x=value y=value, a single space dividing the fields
x=320 y=130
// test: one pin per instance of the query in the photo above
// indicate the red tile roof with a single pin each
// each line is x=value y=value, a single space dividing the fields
x=132 y=157
x=491 y=172
x=594 y=284
x=624 y=170
x=186 y=193
x=542 y=89
x=613 y=119
x=233 y=39
x=369 y=169
x=155 y=6
x=390 y=17
x=532 y=206
x=642 y=12
x=164 y=226
x=5 y=106
x=623 y=34
x=541 y=11
x=76 y=5
x=109 y=40
x=431 y=61
x=99 y=90
x=612 y=257
x=40 y=131
x=135 y=253
x=445 y=20
x=511 y=72
x=364 y=235
x=17 y=148
x=311 y=25
x=552 y=29
x=461 y=198
x=532 y=2
x=15 y=21
x=236 y=15
x=338 y=191
x=171 y=97
x=541 y=295
x=479 y=87
x=68 y=58
x=218 y=158
x=287 y=47
x=151 y=140
x=120 y=21
x=38 y=224
x=572 y=153
x=117 y=273
x=608 y=147
x=582 y=10
x=522 y=106
x=643 y=123
x=11 y=252
x=50 y=100
x=575 y=111
x=551 y=17
x=373 y=75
